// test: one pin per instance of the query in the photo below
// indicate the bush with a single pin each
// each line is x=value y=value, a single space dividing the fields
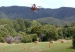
x=18 y=39
x=9 y=39
x=26 y=39
x=2 y=39
x=34 y=37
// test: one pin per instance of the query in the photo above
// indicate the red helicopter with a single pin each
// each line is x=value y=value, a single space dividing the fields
x=35 y=8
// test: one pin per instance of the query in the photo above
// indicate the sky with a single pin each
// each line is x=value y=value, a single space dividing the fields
x=43 y=3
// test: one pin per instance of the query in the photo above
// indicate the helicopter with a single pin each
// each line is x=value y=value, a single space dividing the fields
x=35 y=8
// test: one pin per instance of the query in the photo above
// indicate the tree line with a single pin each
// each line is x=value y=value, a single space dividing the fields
x=26 y=30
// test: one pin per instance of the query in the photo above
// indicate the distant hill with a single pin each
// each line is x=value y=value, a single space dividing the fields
x=53 y=21
x=61 y=14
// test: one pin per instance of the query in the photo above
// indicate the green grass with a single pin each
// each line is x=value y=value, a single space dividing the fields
x=40 y=47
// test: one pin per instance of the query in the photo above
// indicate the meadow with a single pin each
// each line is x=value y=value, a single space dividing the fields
x=57 y=46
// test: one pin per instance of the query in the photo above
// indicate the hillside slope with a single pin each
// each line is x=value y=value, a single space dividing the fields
x=60 y=15
x=53 y=21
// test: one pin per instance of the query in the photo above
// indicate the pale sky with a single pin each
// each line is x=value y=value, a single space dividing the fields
x=43 y=3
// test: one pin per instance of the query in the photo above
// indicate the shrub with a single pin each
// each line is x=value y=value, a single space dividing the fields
x=34 y=37
x=18 y=39
x=2 y=39
x=9 y=39
x=26 y=39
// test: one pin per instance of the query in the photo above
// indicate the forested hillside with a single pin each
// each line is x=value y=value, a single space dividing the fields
x=13 y=12
x=53 y=21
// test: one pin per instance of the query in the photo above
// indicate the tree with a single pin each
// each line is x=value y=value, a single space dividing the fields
x=2 y=39
x=60 y=33
x=73 y=41
x=64 y=30
x=22 y=25
x=68 y=32
x=34 y=37
x=27 y=23
x=16 y=26
x=36 y=29
x=3 y=32
x=73 y=38
x=7 y=21
x=35 y=23
x=51 y=32
x=11 y=31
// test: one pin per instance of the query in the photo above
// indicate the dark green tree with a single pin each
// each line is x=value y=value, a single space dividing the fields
x=36 y=29
x=11 y=31
x=73 y=38
x=21 y=23
x=51 y=32
x=16 y=26
x=27 y=23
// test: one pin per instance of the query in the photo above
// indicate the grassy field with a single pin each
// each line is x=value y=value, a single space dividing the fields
x=39 y=47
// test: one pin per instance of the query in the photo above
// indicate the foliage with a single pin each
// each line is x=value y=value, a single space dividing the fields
x=3 y=32
x=36 y=29
x=51 y=32
x=21 y=24
x=26 y=39
x=18 y=38
x=35 y=23
x=27 y=23
x=11 y=30
x=73 y=43
x=60 y=33
x=4 y=21
x=2 y=39
x=34 y=37
x=16 y=26
x=54 y=21
x=14 y=12
x=29 y=31
x=9 y=39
